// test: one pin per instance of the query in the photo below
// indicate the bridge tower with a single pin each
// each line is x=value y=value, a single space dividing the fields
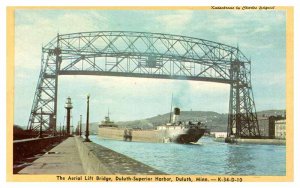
x=44 y=104
x=242 y=118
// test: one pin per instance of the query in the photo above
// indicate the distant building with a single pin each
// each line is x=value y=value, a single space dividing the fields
x=220 y=134
x=267 y=126
x=273 y=131
x=280 y=129
x=264 y=125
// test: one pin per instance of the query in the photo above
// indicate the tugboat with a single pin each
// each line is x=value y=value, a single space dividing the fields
x=106 y=122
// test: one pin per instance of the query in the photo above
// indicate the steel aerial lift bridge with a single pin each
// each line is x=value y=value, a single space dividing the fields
x=148 y=55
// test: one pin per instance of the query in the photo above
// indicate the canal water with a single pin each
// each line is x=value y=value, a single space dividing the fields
x=206 y=157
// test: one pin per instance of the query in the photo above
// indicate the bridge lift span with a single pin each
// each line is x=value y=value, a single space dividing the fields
x=148 y=55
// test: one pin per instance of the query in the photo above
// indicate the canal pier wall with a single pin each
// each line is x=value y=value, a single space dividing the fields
x=253 y=141
x=97 y=159
x=32 y=146
x=75 y=156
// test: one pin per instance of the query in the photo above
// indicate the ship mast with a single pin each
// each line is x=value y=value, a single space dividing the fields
x=171 y=109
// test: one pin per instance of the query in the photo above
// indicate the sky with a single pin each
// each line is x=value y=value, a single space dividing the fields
x=260 y=35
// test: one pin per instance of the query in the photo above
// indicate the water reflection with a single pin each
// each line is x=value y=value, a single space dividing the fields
x=239 y=160
x=204 y=158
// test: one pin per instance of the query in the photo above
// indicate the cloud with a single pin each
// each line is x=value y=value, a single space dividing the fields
x=263 y=29
x=81 y=21
x=222 y=22
x=38 y=28
x=271 y=79
x=272 y=103
x=22 y=75
x=256 y=46
x=175 y=21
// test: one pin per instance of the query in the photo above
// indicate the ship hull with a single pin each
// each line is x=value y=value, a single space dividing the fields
x=171 y=134
x=192 y=136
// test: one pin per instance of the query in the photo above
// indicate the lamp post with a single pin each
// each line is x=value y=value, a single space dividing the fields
x=63 y=130
x=60 y=130
x=87 y=119
x=80 y=128
x=41 y=126
x=54 y=126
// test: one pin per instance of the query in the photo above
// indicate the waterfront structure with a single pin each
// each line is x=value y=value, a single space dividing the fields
x=220 y=134
x=272 y=123
x=280 y=129
x=264 y=127
x=148 y=55
x=68 y=107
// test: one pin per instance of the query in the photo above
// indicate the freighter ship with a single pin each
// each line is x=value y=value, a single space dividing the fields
x=175 y=131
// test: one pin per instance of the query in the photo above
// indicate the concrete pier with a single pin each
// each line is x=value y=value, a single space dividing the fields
x=254 y=141
x=62 y=159
x=74 y=156
x=101 y=160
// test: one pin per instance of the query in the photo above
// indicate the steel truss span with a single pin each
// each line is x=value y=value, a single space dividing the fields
x=149 y=55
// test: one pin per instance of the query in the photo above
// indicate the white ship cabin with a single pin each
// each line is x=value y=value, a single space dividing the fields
x=169 y=126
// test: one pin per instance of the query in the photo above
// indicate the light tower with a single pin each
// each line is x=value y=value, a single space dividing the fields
x=68 y=106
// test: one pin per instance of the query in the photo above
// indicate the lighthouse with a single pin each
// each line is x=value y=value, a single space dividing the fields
x=68 y=106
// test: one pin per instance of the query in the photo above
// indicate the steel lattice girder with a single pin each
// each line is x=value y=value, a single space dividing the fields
x=141 y=54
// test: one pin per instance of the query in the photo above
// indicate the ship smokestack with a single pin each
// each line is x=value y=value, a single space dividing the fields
x=176 y=115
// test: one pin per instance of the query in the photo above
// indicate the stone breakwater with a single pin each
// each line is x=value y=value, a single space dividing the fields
x=97 y=159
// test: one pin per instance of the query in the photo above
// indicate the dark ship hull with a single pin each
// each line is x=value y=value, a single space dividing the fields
x=192 y=136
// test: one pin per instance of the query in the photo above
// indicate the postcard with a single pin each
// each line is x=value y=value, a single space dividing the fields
x=150 y=94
